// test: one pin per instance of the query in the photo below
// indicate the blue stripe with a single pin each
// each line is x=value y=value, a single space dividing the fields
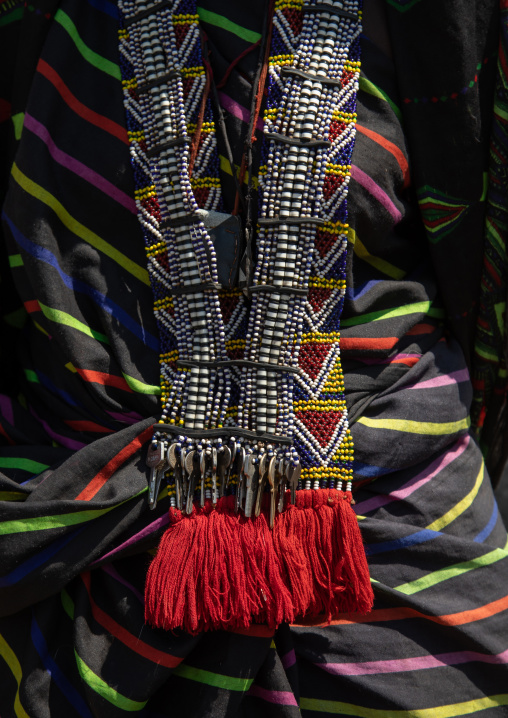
x=59 y=679
x=37 y=560
x=489 y=527
x=369 y=470
x=405 y=542
x=357 y=292
x=104 y=6
x=48 y=384
x=76 y=285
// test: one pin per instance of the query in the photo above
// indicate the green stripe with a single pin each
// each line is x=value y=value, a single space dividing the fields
x=18 y=120
x=486 y=352
x=217 y=680
x=502 y=113
x=67 y=603
x=494 y=236
x=100 y=686
x=371 y=89
x=212 y=18
x=17 y=318
x=15 y=462
x=12 y=16
x=140 y=387
x=31 y=376
x=60 y=317
x=432 y=579
x=43 y=523
x=500 y=309
x=416 y=308
x=101 y=63
x=485 y=188
x=15 y=260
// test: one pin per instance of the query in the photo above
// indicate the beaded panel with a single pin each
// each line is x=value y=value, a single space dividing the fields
x=293 y=322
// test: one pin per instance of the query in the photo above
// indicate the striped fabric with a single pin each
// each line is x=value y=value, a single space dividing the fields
x=79 y=395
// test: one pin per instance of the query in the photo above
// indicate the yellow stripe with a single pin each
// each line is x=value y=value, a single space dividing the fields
x=449 y=711
x=362 y=252
x=459 y=508
x=429 y=428
x=77 y=228
x=226 y=167
x=10 y=658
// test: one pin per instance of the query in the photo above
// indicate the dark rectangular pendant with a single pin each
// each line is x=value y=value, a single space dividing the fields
x=226 y=233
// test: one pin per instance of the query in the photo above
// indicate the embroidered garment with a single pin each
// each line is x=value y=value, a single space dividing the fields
x=80 y=382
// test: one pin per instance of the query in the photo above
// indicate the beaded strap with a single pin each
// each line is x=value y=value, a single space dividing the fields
x=290 y=316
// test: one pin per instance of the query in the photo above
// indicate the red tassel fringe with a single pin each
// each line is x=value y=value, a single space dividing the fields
x=216 y=569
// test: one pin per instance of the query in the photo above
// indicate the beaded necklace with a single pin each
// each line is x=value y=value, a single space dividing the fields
x=304 y=178
x=252 y=388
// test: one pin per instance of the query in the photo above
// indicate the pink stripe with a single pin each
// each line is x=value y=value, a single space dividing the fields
x=6 y=409
x=280 y=698
x=131 y=417
x=238 y=111
x=412 y=664
x=150 y=529
x=78 y=167
x=417 y=481
x=289 y=659
x=375 y=190
x=456 y=377
x=63 y=440
x=108 y=568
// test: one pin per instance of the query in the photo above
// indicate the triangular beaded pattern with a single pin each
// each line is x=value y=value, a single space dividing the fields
x=303 y=332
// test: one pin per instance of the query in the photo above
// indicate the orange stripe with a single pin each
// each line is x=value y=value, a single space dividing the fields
x=398 y=614
x=257 y=630
x=32 y=306
x=127 y=638
x=421 y=329
x=390 y=147
x=100 y=377
x=408 y=361
x=367 y=343
x=89 y=426
x=109 y=469
x=3 y=433
x=78 y=107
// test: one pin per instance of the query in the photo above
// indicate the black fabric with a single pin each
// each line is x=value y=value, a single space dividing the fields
x=80 y=381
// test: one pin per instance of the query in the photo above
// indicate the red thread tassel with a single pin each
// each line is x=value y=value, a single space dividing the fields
x=216 y=569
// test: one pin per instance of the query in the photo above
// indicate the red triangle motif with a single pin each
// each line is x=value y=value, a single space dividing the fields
x=324 y=242
x=187 y=83
x=331 y=185
x=312 y=358
x=180 y=33
x=228 y=305
x=235 y=353
x=162 y=261
x=317 y=297
x=295 y=19
x=151 y=206
x=336 y=129
x=201 y=195
x=321 y=424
